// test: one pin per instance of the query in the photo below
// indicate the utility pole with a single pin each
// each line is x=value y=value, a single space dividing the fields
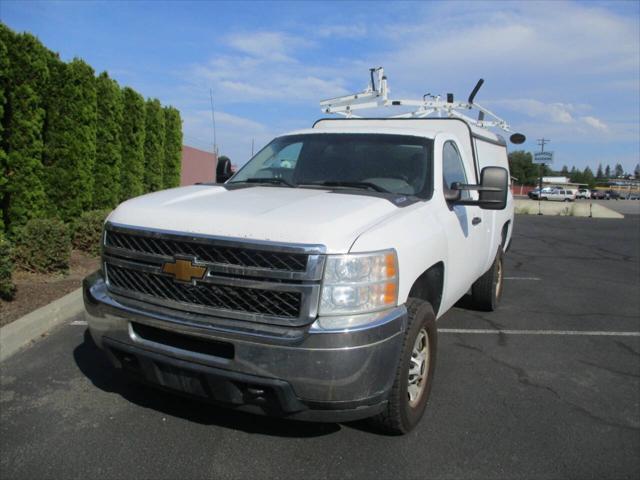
x=542 y=142
x=252 y=141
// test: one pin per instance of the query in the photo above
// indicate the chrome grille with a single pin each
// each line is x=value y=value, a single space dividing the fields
x=293 y=262
x=254 y=281
x=221 y=297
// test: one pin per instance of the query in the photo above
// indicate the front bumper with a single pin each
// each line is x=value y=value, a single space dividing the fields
x=294 y=372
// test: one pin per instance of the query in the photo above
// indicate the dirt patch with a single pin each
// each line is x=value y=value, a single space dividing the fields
x=36 y=290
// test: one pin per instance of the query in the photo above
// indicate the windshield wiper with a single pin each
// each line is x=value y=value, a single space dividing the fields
x=275 y=181
x=361 y=185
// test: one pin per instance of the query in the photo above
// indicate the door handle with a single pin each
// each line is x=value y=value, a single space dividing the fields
x=476 y=220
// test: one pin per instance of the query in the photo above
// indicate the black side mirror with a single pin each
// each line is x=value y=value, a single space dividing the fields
x=494 y=184
x=223 y=170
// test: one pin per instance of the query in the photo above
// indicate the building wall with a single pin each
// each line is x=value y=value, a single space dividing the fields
x=198 y=166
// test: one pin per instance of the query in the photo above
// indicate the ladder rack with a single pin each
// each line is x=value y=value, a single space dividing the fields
x=377 y=96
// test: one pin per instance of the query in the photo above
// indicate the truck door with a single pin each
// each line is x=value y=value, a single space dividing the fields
x=468 y=238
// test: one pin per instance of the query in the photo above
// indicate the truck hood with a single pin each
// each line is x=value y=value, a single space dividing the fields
x=286 y=215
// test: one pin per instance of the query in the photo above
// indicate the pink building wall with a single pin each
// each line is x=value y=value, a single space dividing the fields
x=198 y=166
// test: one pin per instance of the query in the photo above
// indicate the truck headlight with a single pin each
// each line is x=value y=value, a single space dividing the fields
x=359 y=283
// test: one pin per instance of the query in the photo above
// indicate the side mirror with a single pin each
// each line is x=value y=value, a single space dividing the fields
x=494 y=184
x=223 y=170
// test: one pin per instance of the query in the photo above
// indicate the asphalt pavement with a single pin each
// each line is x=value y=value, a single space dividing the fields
x=546 y=387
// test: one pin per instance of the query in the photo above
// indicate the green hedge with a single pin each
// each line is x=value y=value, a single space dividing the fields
x=71 y=141
x=87 y=231
x=7 y=288
x=42 y=245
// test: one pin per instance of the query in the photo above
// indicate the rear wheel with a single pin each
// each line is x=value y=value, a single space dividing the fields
x=414 y=376
x=487 y=290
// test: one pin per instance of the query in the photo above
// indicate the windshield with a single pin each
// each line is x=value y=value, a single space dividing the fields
x=398 y=164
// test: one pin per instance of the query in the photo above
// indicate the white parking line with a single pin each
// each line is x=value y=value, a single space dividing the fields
x=522 y=278
x=591 y=333
x=78 y=322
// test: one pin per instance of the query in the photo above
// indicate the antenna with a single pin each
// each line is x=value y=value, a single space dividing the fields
x=213 y=121
x=376 y=96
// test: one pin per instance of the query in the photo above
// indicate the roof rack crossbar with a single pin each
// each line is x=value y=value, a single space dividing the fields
x=377 y=96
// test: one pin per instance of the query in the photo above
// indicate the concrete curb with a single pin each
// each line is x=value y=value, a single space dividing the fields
x=573 y=209
x=30 y=327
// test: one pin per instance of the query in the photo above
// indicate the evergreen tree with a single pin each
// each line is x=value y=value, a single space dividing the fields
x=132 y=141
x=619 y=171
x=4 y=75
x=599 y=174
x=172 y=148
x=588 y=178
x=607 y=172
x=153 y=145
x=564 y=171
x=22 y=189
x=576 y=175
x=70 y=139
x=636 y=171
x=106 y=191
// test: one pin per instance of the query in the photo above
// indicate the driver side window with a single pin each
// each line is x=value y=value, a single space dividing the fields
x=453 y=168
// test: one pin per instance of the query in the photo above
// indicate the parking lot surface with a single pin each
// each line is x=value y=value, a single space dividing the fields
x=546 y=387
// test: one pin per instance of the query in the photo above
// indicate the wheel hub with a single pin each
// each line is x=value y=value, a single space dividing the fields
x=418 y=368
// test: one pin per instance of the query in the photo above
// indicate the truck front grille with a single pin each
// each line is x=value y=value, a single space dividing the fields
x=254 y=281
x=224 y=255
x=220 y=297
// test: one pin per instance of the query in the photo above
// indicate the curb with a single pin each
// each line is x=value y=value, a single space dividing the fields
x=31 y=326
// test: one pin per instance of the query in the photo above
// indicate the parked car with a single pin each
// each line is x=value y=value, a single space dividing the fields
x=598 y=194
x=310 y=290
x=560 y=195
x=612 y=195
x=583 y=193
x=535 y=193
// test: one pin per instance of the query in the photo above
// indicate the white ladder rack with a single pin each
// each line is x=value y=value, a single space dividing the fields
x=377 y=96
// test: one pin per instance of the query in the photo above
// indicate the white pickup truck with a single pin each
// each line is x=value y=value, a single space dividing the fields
x=308 y=285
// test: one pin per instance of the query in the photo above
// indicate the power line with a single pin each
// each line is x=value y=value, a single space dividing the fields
x=542 y=142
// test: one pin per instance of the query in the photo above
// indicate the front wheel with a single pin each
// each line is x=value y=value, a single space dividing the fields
x=408 y=398
x=486 y=292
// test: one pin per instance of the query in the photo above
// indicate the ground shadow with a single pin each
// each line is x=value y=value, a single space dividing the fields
x=465 y=303
x=93 y=363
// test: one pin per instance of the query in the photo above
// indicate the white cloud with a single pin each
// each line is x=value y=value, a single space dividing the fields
x=595 y=123
x=356 y=30
x=270 y=46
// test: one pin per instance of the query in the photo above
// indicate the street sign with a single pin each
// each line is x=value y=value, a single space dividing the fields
x=543 y=157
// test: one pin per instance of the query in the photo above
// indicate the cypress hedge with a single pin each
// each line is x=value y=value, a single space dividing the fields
x=106 y=192
x=4 y=73
x=7 y=287
x=132 y=139
x=172 y=147
x=70 y=139
x=23 y=195
x=153 y=145
x=71 y=142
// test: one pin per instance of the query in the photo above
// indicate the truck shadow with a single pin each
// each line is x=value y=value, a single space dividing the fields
x=93 y=363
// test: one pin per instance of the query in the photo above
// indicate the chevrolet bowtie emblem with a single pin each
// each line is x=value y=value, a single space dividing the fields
x=184 y=270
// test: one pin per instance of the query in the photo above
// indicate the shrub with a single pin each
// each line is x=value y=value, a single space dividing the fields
x=87 y=231
x=42 y=245
x=7 y=288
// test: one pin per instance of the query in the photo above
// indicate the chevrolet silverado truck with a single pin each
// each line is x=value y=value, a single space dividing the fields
x=308 y=286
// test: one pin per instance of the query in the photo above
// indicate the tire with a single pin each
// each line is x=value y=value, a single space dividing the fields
x=403 y=413
x=487 y=290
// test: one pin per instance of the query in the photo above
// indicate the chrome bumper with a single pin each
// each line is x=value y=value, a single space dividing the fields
x=323 y=375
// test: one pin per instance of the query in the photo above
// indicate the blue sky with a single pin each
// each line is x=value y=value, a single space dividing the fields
x=568 y=71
